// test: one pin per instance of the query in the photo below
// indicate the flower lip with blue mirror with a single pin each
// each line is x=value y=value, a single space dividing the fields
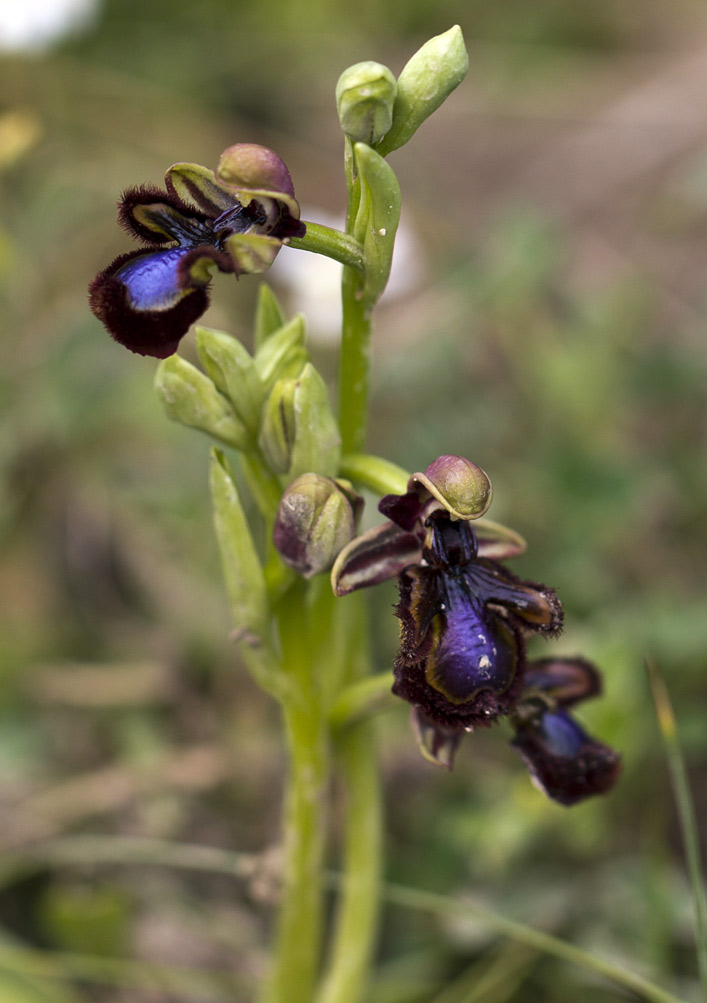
x=235 y=220
x=564 y=761
x=463 y=615
x=464 y=619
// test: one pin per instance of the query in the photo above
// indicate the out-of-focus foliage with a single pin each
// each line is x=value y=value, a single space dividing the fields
x=554 y=333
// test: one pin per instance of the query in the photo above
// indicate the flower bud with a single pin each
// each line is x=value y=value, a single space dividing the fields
x=299 y=432
x=277 y=434
x=315 y=520
x=426 y=80
x=191 y=398
x=458 y=484
x=364 y=100
x=233 y=371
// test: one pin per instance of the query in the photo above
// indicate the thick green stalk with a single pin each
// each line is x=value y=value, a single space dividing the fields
x=359 y=903
x=359 y=910
x=298 y=942
x=355 y=364
x=334 y=244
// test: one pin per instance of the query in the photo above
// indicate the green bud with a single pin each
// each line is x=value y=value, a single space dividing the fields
x=278 y=430
x=283 y=355
x=243 y=572
x=232 y=369
x=364 y=100
x=315 y=520
x=427 y=79
x=191 y=398
x=299 y=432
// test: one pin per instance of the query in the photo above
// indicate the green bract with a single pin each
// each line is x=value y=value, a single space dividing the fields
x=191 y=398
x=243 y=572
x=232 y=369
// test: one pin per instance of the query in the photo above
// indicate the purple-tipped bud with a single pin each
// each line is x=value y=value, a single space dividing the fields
x=315 y=520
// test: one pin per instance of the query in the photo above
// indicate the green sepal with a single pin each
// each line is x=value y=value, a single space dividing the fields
x=426 y=80
x=377 y=218
x=197 y=185
x=268 y=315
x=283 y=355
x=190 y=398
x=299 y=433
x=232 y=369
x=252 y=253
x=242 y=569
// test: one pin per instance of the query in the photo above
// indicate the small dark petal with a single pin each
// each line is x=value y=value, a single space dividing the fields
x=564 y=761
x=403 y=510
x=438 y=745
x=288 y=226
x=566 y=680
x=146 y=332
x=374 y=557
x=151 y=195
x=535 y=607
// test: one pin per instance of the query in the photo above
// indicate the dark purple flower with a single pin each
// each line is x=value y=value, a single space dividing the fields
x=564 y=761
x=235 y=220
x=464 y=619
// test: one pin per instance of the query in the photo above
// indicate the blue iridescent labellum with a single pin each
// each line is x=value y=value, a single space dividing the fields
x=463 y=619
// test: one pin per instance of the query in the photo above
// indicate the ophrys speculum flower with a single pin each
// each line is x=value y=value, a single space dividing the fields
x=234 y=219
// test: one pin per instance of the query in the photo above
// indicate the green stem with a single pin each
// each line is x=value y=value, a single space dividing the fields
x=355 y=364
x=299 y=935
x=359 y=902
x=381 y=476
x=334 y=244
x=357 y=925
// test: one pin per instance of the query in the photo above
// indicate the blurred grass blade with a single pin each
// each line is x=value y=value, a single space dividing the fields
x=686 y=810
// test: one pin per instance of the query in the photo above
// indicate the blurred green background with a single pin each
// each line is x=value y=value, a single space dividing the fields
x=547 y=320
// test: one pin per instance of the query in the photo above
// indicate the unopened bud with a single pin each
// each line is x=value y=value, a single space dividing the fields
x=426 y=80
x=315 y=520
x=364 y=100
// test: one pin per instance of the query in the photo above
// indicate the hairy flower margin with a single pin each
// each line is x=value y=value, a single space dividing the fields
x=464 y=619
x=235 y=219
